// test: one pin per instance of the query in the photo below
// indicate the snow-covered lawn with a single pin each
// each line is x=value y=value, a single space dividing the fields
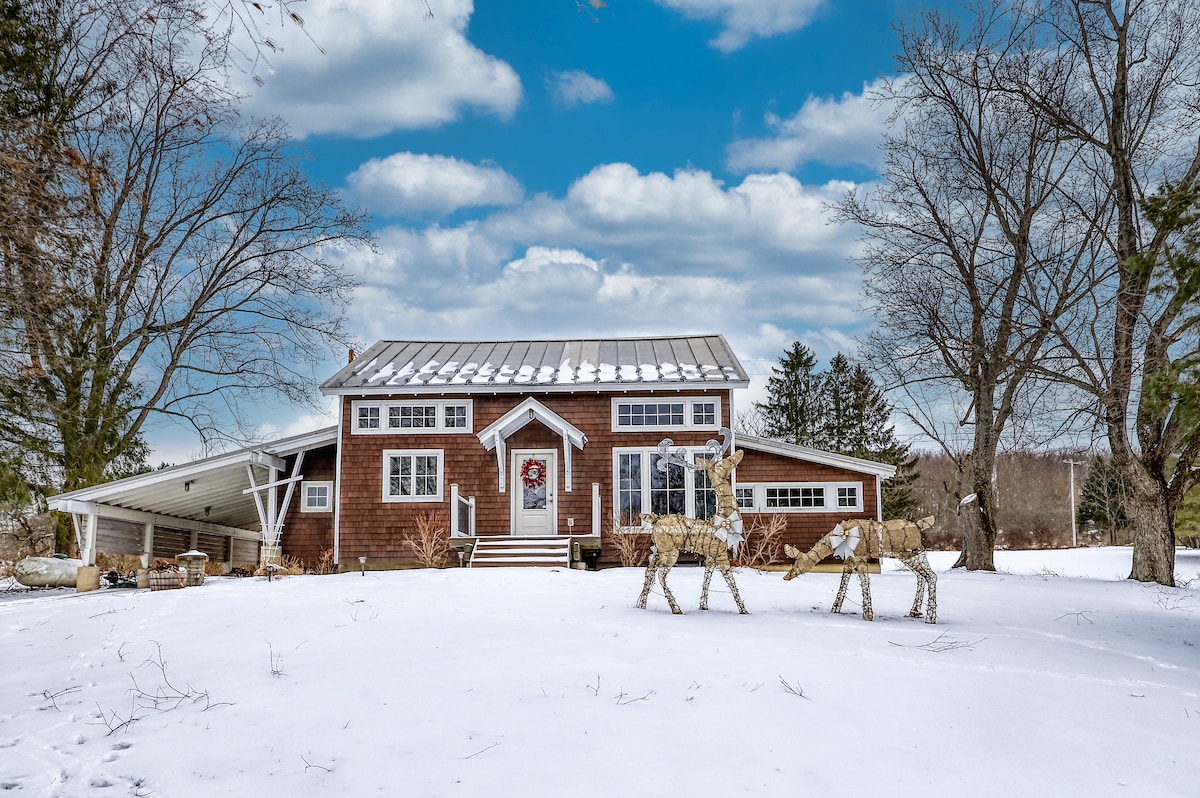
x=1055 y=677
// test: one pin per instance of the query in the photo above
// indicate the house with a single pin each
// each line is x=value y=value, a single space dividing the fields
x=537 y=446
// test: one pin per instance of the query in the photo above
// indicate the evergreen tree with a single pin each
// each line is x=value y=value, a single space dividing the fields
x=795 y=404
x=840 y=410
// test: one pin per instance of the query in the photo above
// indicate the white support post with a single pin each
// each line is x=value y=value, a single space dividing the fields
x=567 y=463
x=258 y=504
x=78 y=531
x=501 y=460
x=147 y=544
x=281 y=513
x=272 y=509
x=89 y=549
x=596 y=509
x=453 y=509
x=471 y=525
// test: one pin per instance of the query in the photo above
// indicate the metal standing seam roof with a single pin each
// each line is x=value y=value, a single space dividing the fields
x=489 y=366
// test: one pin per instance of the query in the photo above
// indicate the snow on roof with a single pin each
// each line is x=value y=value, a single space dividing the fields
x=603 y=364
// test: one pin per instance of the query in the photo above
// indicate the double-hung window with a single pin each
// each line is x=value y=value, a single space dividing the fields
x=413 y=475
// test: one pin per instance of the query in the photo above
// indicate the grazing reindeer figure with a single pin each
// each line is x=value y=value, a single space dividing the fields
x=857 y=539
x=713 y=539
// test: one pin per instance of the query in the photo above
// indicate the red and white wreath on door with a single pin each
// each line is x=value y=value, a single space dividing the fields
x=533 y=473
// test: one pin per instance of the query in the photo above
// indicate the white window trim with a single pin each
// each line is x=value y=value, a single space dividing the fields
x=440 y=454
x=688 y=403
x=439 y=427
x=689 y=479
x=305 y=507
x=760 y=497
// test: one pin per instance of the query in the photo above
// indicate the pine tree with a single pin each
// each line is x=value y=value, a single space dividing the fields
x=840 y=410
x=794 y=405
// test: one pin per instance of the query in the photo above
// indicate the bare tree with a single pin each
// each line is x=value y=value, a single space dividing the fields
x=174 y=257
x=1124 y=87
x=971 y=250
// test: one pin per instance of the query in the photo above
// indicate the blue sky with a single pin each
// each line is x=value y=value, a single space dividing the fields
x=533 y=170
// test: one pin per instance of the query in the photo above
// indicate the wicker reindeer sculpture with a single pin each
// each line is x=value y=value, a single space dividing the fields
x=857 y=539
x=713 y=539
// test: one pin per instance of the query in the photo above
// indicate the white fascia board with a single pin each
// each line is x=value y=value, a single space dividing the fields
x=326 y=436
x=75 y=506
x=259 y=455
x=881 y=470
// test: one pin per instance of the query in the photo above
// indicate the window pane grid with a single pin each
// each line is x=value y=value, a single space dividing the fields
x=412 y=475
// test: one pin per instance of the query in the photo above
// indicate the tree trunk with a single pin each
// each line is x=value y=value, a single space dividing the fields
x=1153 y=533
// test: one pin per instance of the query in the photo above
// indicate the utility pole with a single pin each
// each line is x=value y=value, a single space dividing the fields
x=1072 y=464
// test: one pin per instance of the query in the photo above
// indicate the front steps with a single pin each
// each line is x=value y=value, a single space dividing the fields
x=501 y=551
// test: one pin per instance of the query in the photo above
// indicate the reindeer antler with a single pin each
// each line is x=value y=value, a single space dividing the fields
x=679 y=457
x=719 y=449
x=666 y=456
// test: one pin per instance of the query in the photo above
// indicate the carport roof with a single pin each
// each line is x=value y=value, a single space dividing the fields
x=207 y=491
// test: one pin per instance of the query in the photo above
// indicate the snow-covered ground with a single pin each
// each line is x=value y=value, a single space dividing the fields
x=1054 y=677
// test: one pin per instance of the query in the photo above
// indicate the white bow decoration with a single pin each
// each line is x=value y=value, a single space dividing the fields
x=729 y=530
x=844 y=542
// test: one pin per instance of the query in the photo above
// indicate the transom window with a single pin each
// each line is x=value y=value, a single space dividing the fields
x=650 y=414
x=796 y=497
x=675 y=413
x=412 y=475
x=800 y=497
x=316 y=496
x=412 y=416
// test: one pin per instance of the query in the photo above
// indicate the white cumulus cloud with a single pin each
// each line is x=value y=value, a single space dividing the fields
x=384 y=67
x=575 y=87
x=743 y=20
x=408 y=182
x=831 y=130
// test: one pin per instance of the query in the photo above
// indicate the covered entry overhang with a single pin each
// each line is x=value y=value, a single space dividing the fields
x=232 y=494
x=494 y=435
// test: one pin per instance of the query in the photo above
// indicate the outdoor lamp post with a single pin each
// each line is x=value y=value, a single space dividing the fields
x=362 y=565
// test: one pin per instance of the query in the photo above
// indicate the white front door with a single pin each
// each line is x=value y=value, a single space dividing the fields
x=534 y=492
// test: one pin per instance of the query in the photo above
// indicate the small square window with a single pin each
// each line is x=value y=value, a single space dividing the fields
x=316 y=497
x=368 y=417
x=847 y=497
x=704 y=414
x=745 y=498
x=456 y=416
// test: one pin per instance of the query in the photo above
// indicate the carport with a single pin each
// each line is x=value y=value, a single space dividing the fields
x=226 y=505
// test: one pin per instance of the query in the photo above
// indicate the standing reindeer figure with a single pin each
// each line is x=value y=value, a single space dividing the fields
x=858 y=539
x=713 y=539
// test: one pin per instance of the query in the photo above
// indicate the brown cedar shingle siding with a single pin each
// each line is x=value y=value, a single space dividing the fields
x=804 y=529
x=370 y=527
x=306 y=535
